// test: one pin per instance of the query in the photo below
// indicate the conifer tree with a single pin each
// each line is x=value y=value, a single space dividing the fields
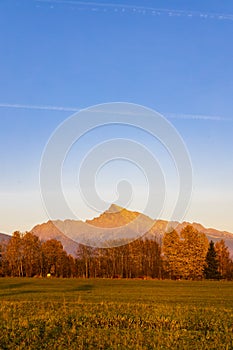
x=211 y=264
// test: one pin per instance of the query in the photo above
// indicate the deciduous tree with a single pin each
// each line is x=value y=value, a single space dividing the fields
x=32 y=254
x=223 y=257
x=53 y=258
x=194 y=248
x=184 y=254
x=172 y=251
x=14 y=254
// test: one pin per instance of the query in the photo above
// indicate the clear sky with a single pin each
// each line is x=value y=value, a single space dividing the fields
x=171 y=56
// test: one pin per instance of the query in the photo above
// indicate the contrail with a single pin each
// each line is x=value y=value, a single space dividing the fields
x=37 y=107
x=76 y=109
x=141 y=9
x=196 y=117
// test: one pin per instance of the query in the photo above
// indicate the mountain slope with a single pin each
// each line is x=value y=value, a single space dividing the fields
x=4 y=237
x=49 y=231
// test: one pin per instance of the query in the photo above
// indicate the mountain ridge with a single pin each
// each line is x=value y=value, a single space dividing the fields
x=114 y=224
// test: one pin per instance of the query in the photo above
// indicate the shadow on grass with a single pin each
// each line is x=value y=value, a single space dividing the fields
x=18 y=293
x=84 y=288
x=15 y=285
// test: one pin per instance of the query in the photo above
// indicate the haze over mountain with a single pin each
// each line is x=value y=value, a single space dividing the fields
x=117 y=224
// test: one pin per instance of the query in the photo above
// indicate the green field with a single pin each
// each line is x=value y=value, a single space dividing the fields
x=115 y=314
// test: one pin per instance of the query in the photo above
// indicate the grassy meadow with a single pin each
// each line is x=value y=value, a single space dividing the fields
x=115 y=314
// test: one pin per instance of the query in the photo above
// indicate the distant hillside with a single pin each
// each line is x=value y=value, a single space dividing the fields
x=49 y=230
x=117 y=223
x=4 y=237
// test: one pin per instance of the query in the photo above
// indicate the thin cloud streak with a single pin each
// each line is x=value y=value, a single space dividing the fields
x=196 y=117
x=76 y=109
x=37 y=107
x=141 y=9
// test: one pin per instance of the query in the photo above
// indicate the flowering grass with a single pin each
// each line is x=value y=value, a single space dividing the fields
x=115 y=314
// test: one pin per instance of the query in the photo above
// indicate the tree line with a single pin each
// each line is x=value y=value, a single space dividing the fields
x=187 y=255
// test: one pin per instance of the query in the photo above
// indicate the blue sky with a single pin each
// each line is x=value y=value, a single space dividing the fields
x=71 y=54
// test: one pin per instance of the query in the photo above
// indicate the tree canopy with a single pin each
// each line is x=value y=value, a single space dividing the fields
x=187 y=255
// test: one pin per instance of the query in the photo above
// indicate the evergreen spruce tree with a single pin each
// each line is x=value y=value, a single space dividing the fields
x=211 y=264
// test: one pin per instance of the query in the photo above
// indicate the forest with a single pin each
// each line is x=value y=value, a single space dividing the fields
x=188 y=256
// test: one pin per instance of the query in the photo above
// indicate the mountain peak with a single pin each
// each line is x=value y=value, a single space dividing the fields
x=114 y=216
x=114 y=208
